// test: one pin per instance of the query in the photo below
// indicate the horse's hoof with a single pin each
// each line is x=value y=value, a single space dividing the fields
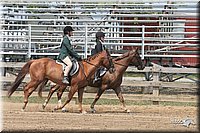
x=83 y=112
x=93 y=110
x=64 y=110
x=22 y=110
x=128 y=111
x=54 y=109
x=43 y=106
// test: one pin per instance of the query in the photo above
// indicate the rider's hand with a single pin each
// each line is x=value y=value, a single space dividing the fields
x=79 y=59
x=112 y=70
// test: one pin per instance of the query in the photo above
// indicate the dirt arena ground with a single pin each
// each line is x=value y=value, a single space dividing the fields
x=107 y=118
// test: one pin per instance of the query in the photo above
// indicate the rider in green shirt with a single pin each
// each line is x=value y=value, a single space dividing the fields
x=67 y=52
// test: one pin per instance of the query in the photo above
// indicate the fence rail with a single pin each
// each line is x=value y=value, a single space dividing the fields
x=155 y=84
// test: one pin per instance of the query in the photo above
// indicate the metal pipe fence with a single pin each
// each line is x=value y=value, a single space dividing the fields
x=35 y=40
x=159 y=29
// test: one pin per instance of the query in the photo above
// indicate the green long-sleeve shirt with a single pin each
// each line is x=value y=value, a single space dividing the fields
x=67 y=49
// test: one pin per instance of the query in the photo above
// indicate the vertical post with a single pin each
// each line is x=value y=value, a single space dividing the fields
x=29 y=41
x=156 y=85
x=85 y=49
x=143 y=30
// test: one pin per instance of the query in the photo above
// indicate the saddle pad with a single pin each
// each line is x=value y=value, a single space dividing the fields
x=63 y=65
x=73 y=70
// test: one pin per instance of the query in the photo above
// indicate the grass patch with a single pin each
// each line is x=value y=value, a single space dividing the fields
x=132 y=74
x=101 y=101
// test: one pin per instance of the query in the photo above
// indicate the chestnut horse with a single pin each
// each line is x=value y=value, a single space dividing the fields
x=109 y=80
x=47 y=69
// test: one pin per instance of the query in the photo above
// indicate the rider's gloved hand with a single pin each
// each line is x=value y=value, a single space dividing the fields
x=79 y=59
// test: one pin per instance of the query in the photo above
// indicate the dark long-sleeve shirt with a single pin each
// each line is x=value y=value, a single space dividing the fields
x=99 y=47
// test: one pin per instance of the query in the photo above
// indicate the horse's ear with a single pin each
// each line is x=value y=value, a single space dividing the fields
x=107 y=51
x=136 y=49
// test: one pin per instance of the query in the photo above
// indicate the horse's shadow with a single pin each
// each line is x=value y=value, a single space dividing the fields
x=92 y=113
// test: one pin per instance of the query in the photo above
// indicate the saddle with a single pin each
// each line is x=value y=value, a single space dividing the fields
x=73 y=70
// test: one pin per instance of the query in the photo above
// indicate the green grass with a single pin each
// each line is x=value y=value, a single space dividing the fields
x=131 y=74
x=101 y=101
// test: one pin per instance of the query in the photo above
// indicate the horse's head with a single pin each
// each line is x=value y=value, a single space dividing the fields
x=137 y=61
x=107 y=61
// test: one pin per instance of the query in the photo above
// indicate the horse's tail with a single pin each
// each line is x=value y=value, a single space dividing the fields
x=20 y=77
x=41 y=86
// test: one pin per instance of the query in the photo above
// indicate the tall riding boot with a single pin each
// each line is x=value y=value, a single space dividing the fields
x=97 y=77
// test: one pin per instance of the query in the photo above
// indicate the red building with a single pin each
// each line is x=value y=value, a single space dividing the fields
x=185 y=61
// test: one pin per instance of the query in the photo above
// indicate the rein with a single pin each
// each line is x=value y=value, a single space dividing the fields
x=90 y=63
x=120 y=64
x=81 y=64
x=126 y=65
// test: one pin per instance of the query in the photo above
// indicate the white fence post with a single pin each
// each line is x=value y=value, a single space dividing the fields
x=85 y=49
x=29 y=41
x=143 y=34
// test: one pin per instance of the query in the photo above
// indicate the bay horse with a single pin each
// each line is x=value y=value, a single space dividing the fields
x=47 y=69
x=109 y=80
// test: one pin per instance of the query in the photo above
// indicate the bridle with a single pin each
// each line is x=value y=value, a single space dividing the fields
x=137 y=59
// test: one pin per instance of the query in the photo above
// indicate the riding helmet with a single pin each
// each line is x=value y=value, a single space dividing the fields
x=100 y=34
x=67 y=29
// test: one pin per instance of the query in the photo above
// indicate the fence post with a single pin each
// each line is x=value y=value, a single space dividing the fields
x=143 y=30
x=85 y=49
x=29 y=41
x=156 y=80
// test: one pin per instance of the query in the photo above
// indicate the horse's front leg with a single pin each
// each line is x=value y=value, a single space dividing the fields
x=80 y=98
x=121 y=98
x=59 y=95
x=71 y=93
x=98 y=95
x=52 y=90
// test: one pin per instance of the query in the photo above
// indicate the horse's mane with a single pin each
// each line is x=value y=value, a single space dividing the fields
x=122 y=56
x=93 y=56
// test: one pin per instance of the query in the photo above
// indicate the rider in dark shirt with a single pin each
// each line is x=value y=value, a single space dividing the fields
x=98 y=48
x=99 y=43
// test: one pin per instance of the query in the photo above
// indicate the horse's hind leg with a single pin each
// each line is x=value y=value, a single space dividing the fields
x=121 y=98
x=28 y=90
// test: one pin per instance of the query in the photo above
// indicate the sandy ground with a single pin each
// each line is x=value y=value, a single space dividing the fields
x=107 y=118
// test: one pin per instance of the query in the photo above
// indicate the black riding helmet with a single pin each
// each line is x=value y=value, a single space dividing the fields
x=67 y=29
x=100 y=34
